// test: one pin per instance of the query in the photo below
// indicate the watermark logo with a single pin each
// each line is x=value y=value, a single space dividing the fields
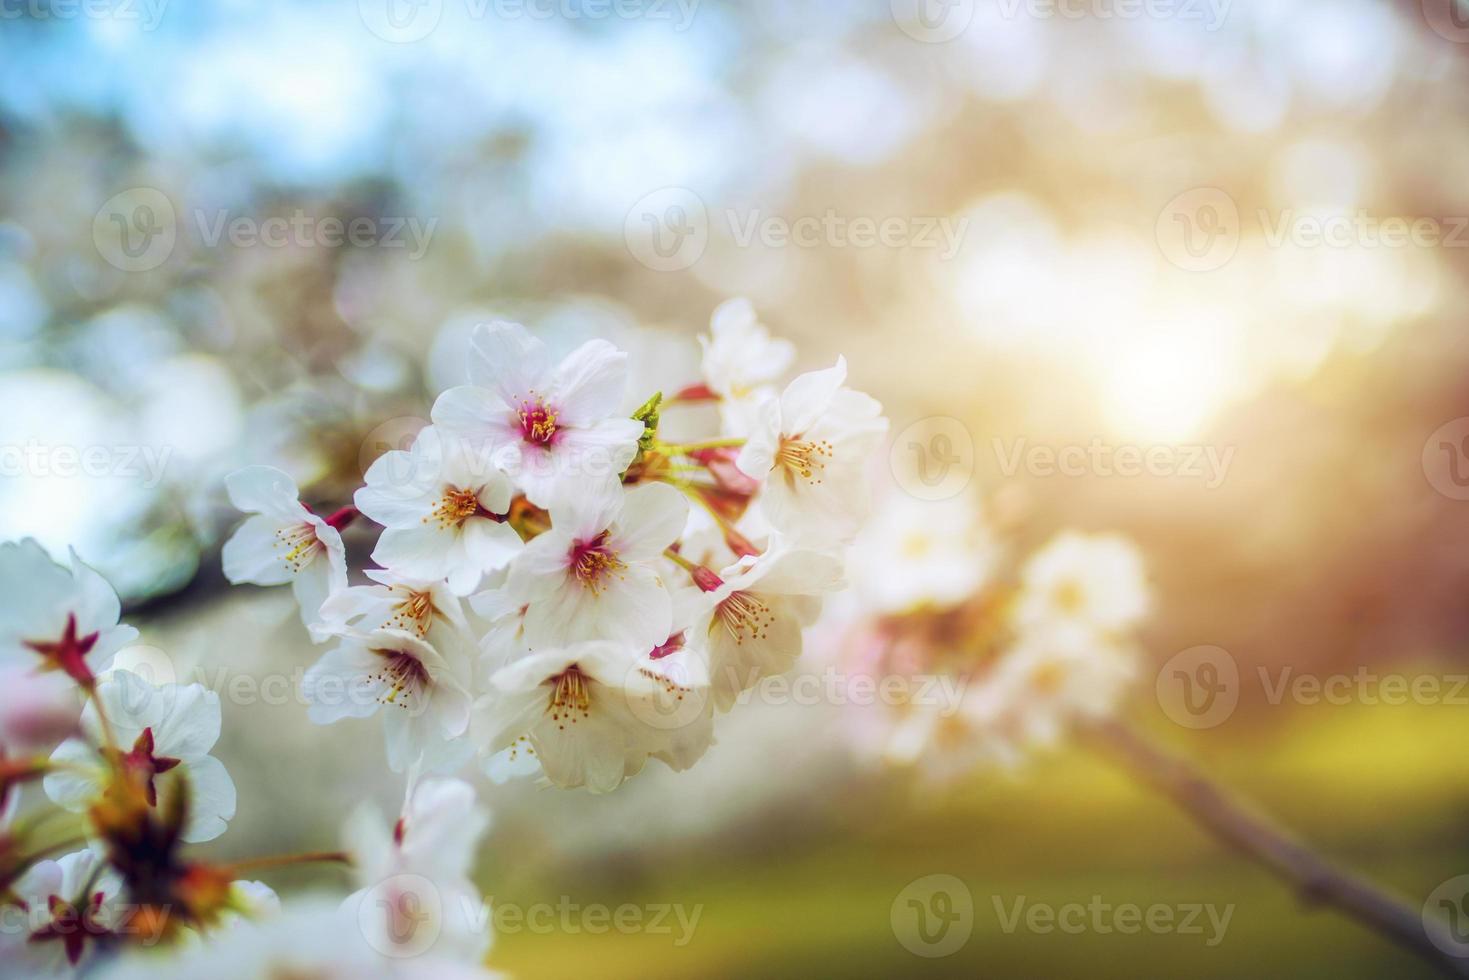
x=932 y=21
x=1449 y=19
x=1199 y=230
x=394 y=435
x=1199 y=687
x=933 y=917
x=402 y=916
x=933 y=458
x=1446 y=459
x=401 y=21
x=135 y=230
x=667 y=230
x=1446 y=916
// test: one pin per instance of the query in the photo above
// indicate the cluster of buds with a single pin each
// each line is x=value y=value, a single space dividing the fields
x=561 y=589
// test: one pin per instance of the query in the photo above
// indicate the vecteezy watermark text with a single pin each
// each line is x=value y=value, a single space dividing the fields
x=1203 y=919
x=407 y=21
x=672 y=919
x=146 y=13
x=669 y=229
x=138 y=229
x=42 y=460
x=1201 y=229
x=1097 y=458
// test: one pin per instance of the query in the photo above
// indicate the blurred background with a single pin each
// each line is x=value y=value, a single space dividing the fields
x=1238 y=231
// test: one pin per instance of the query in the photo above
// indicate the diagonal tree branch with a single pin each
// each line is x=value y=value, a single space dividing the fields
x=1317 y=880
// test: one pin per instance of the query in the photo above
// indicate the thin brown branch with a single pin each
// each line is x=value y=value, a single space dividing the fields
x=1317 y=880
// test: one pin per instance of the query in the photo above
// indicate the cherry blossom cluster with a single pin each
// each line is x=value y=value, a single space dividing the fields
x=103 y=882
x=1032 y=646
x=560 y=588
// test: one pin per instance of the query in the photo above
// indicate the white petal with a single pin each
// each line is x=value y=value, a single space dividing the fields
x=211 y=799
x=421 y=551
x=489 y=544
x=337 y=685
x=635 y=609
x=78 y=779
x=508 y=360
x=253 y=554
x=262 y=490
x=808 y=396
x=652 y=518
x=191 y=725
x=312 y=586
x=590 y=383
x=478 y=417
x=757 y=455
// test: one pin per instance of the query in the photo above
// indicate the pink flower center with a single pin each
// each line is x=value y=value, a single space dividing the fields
x=537 y=422
x=592 y=562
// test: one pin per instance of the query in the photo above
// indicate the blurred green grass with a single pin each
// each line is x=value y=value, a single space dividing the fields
x=1383 y=789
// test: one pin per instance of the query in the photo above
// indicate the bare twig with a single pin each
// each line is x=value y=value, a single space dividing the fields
x=1317 y=880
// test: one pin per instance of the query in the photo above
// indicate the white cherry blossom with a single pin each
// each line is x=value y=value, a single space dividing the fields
x=924 y=552
x=282 y=541
x=423 y=860
x=314 y=937
x=422 y=691
x=442 y=504
x=742 y=363
x=595 y=574
x=423 y=607
x=158 y=730
x=1091 y=580
x=1058 y=674
x=583 y=710
x=56 y=617
x=751 y=615
x=554 y=428
x=69 y=905
x=810 y=447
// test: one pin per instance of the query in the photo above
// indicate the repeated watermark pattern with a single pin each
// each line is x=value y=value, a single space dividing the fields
x=1201 y=687
x=1446 y=459
x=937 y=21
x=1096 y=458
x=933 y=916
x=933 y=458
x=146 y=464
x=147 y=14
x=138 y=229
x=1207 y=920
x=1201 y=230
x=668 y=230
x=409 y=21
